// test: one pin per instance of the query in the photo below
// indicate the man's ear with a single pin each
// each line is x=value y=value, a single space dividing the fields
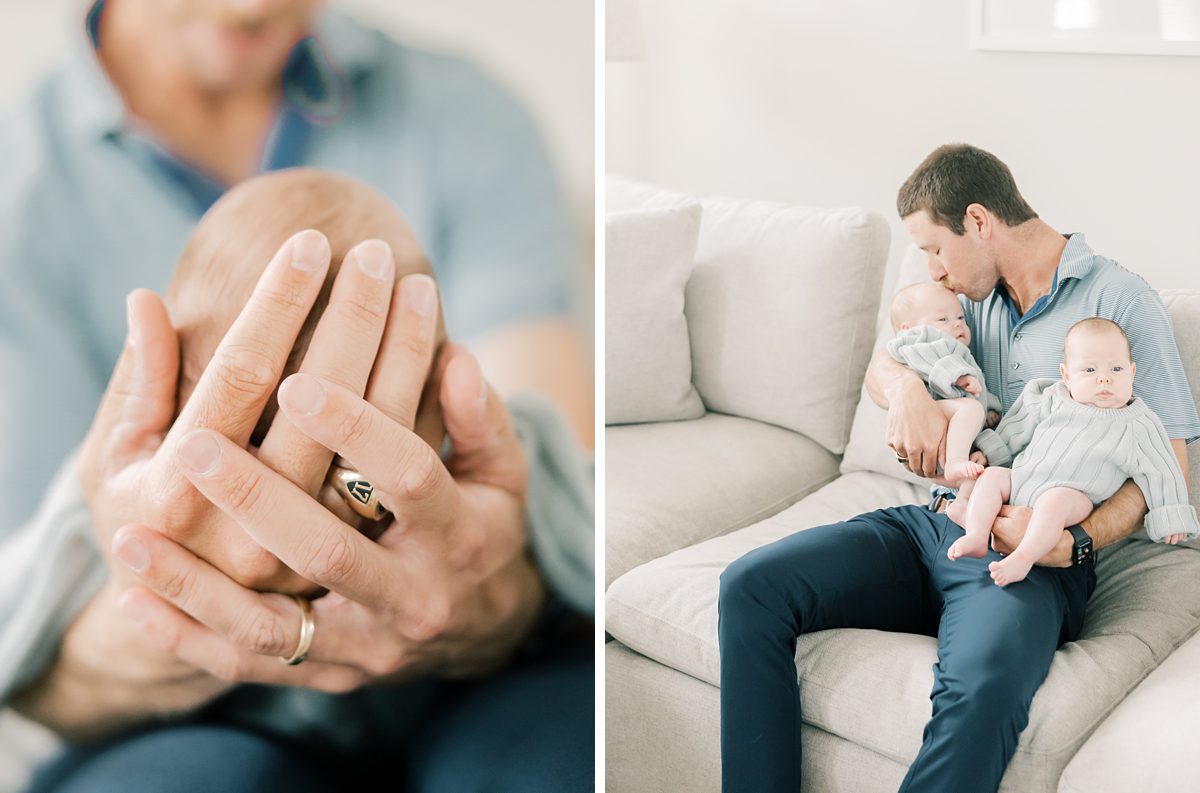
x=978 y=220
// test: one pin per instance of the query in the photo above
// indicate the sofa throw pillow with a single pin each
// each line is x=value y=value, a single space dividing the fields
x=780 y=307
x=647 y=355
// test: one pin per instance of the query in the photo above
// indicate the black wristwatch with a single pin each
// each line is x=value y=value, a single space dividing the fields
x=1081 y=552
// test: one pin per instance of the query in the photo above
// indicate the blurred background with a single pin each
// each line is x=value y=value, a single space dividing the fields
x=541 y=50
x=826 y=104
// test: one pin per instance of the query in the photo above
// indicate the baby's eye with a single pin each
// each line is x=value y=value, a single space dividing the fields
x=1088 y=370
x=1118 y=368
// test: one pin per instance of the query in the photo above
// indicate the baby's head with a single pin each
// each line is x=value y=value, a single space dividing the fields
x=1098 y=365
x=933 y=305
x=238 y=236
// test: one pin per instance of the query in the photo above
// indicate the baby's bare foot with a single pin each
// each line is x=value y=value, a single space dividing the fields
x=968 y=546
x=957 y=511
x=959 y=470
x=1009 y=570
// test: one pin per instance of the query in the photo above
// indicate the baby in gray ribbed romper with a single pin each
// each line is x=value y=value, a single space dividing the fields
x=931 y=339
x=1075 y=441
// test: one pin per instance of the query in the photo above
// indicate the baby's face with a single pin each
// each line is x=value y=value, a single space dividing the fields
x=1097 y=369
x=939 y=308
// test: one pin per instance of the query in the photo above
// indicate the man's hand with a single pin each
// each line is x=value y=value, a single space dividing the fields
x=1009 y=529
x=970 y=384
x=129 y=464
x=916 y=430
x=447 y=588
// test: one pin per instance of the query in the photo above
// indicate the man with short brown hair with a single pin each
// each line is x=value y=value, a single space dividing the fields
x=1024 y=285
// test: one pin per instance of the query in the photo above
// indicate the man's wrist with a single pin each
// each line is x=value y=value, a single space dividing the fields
x=1063 y=554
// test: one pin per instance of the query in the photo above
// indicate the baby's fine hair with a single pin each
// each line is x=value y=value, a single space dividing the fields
x=1097 y=324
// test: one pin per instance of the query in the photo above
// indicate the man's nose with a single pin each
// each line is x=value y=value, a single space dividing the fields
x=936 y=271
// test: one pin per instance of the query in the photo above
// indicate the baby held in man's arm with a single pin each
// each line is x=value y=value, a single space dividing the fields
x=1071 y=444
x=932 y=339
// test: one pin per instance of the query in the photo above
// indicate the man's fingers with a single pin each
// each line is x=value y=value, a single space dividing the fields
x=343 y=350
x=480 y=427
x=262 y=623
x=141 y=395
x=237 y=382
x=407 y=351
x=200 y=646
x=410 y=477
x=286 y=520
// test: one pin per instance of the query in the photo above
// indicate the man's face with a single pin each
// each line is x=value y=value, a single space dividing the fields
x=1097 y=369
x=230 y=44
x=959 y=262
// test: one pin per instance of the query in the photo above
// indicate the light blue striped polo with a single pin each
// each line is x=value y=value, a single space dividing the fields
x=1015 y=349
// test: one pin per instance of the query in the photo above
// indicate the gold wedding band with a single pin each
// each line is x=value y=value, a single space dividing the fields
x=901 y=460
x=358 y=493
x=308 y=627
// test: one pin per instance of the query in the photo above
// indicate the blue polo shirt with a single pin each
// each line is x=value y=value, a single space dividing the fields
x=1013 y=349
x=92 y=208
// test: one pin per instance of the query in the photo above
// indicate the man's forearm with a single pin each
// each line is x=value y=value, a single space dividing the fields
x=886 y=376
x=104 y=680
x=1118 y=517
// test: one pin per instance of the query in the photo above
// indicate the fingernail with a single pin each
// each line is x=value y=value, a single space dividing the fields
x=134 y=333
x=199 y=452
x=302 y=394
x=133 y=608
x=420 y=294
x=130 y=551
x=310 y=251
x=374 y=258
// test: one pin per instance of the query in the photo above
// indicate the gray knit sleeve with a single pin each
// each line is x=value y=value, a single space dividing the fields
x=1015 y=430
x=1155 y=469
x=937 y=358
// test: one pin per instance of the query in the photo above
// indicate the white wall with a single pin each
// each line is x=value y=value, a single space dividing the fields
x=541 y=49
x=835 y=102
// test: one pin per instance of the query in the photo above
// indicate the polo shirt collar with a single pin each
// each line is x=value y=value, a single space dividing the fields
x=1076 y=261
x=95 y=108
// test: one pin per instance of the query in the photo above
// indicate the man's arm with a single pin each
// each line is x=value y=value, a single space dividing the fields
x=545 y=356
x=1114 y=520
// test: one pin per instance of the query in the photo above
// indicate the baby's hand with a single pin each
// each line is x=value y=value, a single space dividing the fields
x=979 y=457
x=969 y=383
x=1174 y=539
x=993 y=418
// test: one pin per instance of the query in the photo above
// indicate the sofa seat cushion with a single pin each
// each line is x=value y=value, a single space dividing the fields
x=1146 y=743
x=673 y=484
x=873 y=687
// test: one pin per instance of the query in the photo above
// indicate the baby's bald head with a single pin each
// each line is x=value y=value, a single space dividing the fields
x=238 y=236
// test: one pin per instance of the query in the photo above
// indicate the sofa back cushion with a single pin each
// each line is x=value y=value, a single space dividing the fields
x=780 y=307
x=647 y=355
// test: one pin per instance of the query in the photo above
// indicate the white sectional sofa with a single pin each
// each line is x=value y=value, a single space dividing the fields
x=782 y=314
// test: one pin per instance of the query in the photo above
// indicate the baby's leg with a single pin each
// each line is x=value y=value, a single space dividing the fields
x=956 y=510
x=1053 y=511
x=989 y=494
x=966 y=419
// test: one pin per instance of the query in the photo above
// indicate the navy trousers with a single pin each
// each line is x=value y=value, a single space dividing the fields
x=887 y=570
x=529 y=728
